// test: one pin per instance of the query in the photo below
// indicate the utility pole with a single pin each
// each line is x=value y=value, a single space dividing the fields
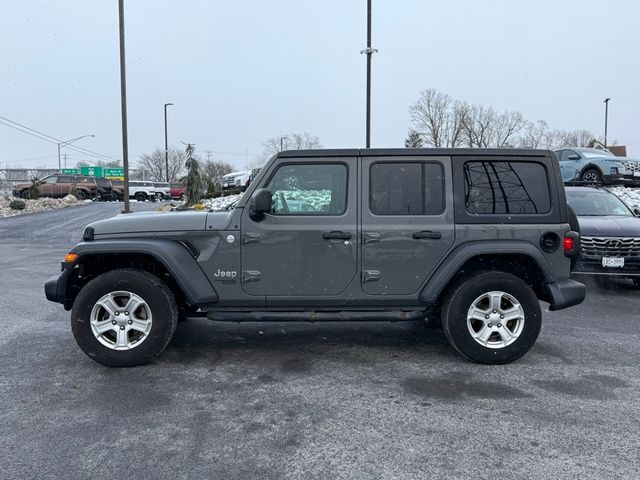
x=123 y=107
x=166 y=144
x=606 y=118
x=68 y=142
x=368 y=52
x=65 y=160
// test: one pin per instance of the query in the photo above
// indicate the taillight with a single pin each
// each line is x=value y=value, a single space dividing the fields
x=568 y=244
x=571 y=243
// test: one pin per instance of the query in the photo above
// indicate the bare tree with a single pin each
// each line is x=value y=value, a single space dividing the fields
x=292 y=141
x=154 y=163
x=212 y=172
x=508 y=126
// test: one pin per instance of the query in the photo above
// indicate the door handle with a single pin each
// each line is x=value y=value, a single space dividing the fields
x=335 y=235
x=429 y=234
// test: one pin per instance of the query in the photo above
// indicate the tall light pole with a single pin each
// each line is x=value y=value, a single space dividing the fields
x=69 y=142
x=368 y=51
x=166 y=142
x=606 y=119
x=123 y=108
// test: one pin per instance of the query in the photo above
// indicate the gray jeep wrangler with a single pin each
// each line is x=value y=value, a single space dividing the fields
x=476 y=237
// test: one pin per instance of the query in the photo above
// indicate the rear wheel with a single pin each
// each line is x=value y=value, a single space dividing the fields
x=124 y=318
x=592 y=176
x=25 y=194
x=159 y=196
x=491 y=317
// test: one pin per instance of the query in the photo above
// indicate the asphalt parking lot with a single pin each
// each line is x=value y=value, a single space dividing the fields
x=307 y=401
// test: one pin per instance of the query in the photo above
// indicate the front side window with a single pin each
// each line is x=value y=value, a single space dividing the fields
x=50 y=180
x=406 y=188
x=503 y=187
x=309 y=189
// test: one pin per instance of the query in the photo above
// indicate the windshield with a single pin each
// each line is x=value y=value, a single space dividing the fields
x=597 y=204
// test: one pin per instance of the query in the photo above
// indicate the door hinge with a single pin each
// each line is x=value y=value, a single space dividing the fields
x=250 y=276
x=370 y=276
x=250 y=237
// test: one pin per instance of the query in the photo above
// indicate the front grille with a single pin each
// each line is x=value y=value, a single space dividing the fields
x=610 y=247
x=632 y=166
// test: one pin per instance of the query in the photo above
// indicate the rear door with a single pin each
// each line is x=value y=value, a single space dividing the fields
x=407 y=221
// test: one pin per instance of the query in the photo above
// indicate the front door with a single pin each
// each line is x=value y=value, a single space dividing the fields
x=407 y=221
x=307 y=245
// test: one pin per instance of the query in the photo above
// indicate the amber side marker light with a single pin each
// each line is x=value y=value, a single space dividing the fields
x=70 y=257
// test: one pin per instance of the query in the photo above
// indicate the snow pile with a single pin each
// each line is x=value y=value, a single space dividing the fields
x=319 y=200
x=630 y=196
x=220 y=203
x=35 y=206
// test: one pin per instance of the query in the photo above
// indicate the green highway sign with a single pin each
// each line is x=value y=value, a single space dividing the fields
x=114 y=172
x=70 y=171
x=92 y=171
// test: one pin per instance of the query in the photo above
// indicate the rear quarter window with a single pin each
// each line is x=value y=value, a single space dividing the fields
x=506 y=187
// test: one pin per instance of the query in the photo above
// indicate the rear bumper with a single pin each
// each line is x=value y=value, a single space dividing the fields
x=565 y=294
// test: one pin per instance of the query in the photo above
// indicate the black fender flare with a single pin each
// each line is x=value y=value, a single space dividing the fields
x=457 y=258
x=172 y=255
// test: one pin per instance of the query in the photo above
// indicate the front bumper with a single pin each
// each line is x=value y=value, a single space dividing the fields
x=621 y=179
x=594 y=267
x=564 y=294
x=55 y=288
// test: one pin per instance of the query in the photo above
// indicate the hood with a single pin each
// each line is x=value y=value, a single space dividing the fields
x=609 y=226
x=158 y=222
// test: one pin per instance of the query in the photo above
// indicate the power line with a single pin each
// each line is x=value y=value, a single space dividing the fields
x=48 y=138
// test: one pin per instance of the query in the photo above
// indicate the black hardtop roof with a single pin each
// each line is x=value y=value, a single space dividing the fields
x=384 y=152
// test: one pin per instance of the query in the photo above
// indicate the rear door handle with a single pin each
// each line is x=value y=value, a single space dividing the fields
x=429 y=234
x=335 y=235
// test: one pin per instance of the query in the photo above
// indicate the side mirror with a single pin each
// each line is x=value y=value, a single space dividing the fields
x=261 y=203
x=573 y=157
x=636 y=212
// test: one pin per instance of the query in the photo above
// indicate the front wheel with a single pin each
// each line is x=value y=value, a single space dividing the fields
x=592 y=176
x=124 y=317
x=159 y=197
x=491 y=317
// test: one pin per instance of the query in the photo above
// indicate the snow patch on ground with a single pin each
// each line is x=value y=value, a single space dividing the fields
x=39 y=205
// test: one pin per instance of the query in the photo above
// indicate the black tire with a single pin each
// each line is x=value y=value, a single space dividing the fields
x=80 y=195
x=140 y=196
x=461 y=297
x=593 y=176
x=159 y=197
x=98 y=197
x=159 y=299
x=25 y=194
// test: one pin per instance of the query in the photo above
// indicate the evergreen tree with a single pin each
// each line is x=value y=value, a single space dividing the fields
x=413 y=140
x=193 y=182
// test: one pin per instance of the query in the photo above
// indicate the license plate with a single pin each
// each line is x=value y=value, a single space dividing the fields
x=615 y=262
x=636 y=174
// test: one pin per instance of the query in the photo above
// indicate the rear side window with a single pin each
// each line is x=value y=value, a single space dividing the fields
x=502 y=187
x=414 y=188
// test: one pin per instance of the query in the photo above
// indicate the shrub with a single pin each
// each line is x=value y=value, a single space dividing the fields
x=73 y=191
x=34 y=192
x=17 y=204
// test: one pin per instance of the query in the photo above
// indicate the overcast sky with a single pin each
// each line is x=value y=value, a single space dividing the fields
x=240 y=72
